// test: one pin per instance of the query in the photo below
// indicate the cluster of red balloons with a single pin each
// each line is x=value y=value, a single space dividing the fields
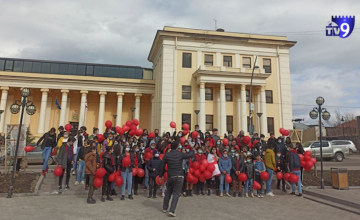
x=290 y=177
x=128 y=126
x=307 y=162
x=138 y=172
x=200 y=172
x=284 y=132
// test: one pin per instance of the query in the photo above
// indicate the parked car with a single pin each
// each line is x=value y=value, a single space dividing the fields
x=346 y=143
x=34 y=157
x=329 y=150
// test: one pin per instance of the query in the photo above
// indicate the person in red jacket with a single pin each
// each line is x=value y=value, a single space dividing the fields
x=210 y=139
x=199 y=157
x=239 y=140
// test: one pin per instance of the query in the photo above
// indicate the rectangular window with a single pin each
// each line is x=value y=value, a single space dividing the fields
x=138 y=74
x=36 y=67
x=115 y=72
x=209 y=122
x=247 y=95
x=267 y=65
x=2 y=65
x=208 y=93
x=270 y=122
x=186 y=118
x=98 y=71
x=80 y=70
x=247 y=62
x=64 y=68
x=27 y=67
x=45 y=67
x=229 y=123
x=55 y=68
x=72 y=69
x=106 y=71
x=18 y=66
x=123 y=72
x=89 y=70
x=186 y=62
x=186 y=92
x=228 y=94
x=208 y=60
x=228 y=61
x=9 y=65
x=269 y=96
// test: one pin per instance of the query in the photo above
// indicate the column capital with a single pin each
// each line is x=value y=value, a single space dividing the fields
x=102 y=93
x=4 y=88
x=44 y=90
x=243 y=86
x=137 y=94
x=222 y=86
x=262 y=88
x=202 y=85
x=84 y=92
x=65 y=91
x=120 y=94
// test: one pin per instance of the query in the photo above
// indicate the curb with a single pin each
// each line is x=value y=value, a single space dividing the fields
x=38 y=184
x=328 y=187
x=35 y=193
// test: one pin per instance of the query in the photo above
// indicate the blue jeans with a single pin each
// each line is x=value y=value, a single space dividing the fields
x=45 y=155
x=146 y=184
x=268 y=182
x=127 y=177
x=297 y=173
x=81 y=171
x=222 y=181
x=75 y=158
x=249 y=183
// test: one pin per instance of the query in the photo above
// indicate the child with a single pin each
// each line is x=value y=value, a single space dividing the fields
x=250 y=173
x=259 y=167
x=237 y=168
x=66 y=160
x=280 y=165
x=225 y=167
x=90 y=170
x=199 y=157
x=81 y=164
x=153 y=167
x=108 y=164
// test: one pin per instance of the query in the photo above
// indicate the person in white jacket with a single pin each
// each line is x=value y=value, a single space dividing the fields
x=213 y=158
x=79 y=141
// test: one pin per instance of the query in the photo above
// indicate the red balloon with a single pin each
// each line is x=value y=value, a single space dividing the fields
x=100 y=138
x=195 y=165
x=134 y=171
x=307 y=169
x=136 y=122
x=172 y=124
x=166 y=167
x=228 y=178
x=133 y=127
x=194 y=134
x=264 y=176
x=202 y=168
x=202 y=178
x=242 y=177
x=125 y=128
x=307 y=158
x=205 y=162
x=151 y=135
x=112 y=177
x=129 y=123
x=186 y=126
x=308 y=153
x=303 y=163
x=29 y=149
x=294 y=178
x=185 y=132
x=256 y=185
x=197 y=173
x=309 y=164
x=118 y=173
x=255 y=142
x=119 y=180
x=68 y=127
x=53 y=152
x=139 y=132
x=132 y=132
x=250 y=145
x=287 y=176
x=246 y=139
x=191 y=170
x=225 y=142
x=279 y=175
x=100 y=173
x=286 y=133
x=161 y=156
x=58 y=171
x=147 y=155
x=210 y=167
x=108 y=124
x=98 y=182
x=182 y=140
x=301 y=157
x=118 y=129
x=126 y=161
x=281 y=130
x=313 y=160
x=195 y=181
x=207 y=174
x=165 y=176
x=140 y=172
x=190 y=177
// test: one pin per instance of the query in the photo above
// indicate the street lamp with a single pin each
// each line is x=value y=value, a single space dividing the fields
x=133 y=110
x=342 y=120
x=259 y=114
x=319 y=112
x=251 y=127
x=197 y=114
x=14 y=109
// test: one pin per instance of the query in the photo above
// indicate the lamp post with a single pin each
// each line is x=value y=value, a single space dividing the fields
x=319 y=112
x=251 y=128
x=197 y=116
x=259 y=114
x=132 y=110
x=14 y=109
x=342 y=120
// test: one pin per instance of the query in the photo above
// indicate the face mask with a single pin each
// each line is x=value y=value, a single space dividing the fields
x=232 y=151
x=156 y=134
x=127 y=149
x=136 y=150
x=279 y=141
x=236 y=155
x=65 y=136
x=110 y=138
x=197 y=129
x=262 y=139
x=180 y=147
x=198 y=137
x=207 y=136
x=225 y=156
x=200 y=152
x=179 y=135
x=97 y=132
x=248 y=161
x=187 y=150
x=278 y=155
x=144 y=138
x=152 y=147
x=142 y=148
x=156 y=155
x=81 y=134
x=218 y=143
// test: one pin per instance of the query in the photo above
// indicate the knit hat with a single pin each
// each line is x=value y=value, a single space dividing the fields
x=155 y=152
x=152 y=142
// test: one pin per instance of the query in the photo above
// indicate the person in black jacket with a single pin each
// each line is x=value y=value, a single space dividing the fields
x=48 y=143
x=294 y=166
x=153 y=166
x=237 y=168
x=202 y=138
x=250 y=173
x=280 y=167
x=108 y=164
x=174 y=160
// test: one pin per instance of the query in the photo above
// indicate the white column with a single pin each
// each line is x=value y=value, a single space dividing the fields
x=218 y=110
x=3 y=101
x=237 y=61
x=222 y=109
x=202 y=113
x=152 y=120
x=82 y=114
x=243 y=110
x=63 y=106
x=119 y=108
x=101 y=111
x=218 y=59
x=238 y=111
x=258 y=109
x=137 y=106
x=43 y=110
x=263 y=118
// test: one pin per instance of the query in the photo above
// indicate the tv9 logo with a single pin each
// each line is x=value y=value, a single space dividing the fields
x=341 y=26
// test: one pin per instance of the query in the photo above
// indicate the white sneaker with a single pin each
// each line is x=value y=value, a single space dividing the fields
x=73 y=172
x=261 y=196
x=252 y=195
x=163 y=195
x=270 y=194
x=76 y=183
x=82 y=182
x=246 y=195
x=258 y=195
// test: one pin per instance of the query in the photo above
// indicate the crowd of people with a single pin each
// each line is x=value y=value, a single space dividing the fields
x=82 y=154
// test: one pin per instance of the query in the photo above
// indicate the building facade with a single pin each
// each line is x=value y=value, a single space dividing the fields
x=198 y=77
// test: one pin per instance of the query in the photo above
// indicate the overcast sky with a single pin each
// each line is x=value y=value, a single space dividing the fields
x=122 y=32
